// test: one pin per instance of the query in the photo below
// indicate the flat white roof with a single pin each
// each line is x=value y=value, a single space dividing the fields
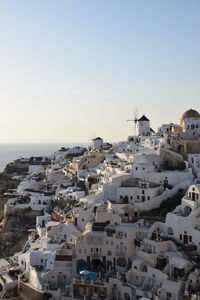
x=137 y=261
x=99 y=233
x=126 y=227
x=52 y=223
x=171 y=286
x=179 y=262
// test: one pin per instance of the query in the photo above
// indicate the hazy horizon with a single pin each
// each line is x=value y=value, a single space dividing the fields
x=71 y=70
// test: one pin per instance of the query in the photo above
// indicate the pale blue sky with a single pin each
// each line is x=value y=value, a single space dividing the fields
x=69 y=69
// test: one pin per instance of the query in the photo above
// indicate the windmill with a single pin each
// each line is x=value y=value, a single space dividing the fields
x=90 y=139
x=135 y=119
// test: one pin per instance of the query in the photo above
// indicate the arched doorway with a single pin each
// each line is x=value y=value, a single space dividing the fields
x=121 y=262
x=109 y=266
x=96 y=265
x=180 y=148
x=81 y=265
x=187 y=211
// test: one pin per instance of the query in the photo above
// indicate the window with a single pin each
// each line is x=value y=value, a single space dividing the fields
x=170 y=231
x=138 y=197
x=143 y=192
x=148 y=197
x=169 y=295
x=42 y=260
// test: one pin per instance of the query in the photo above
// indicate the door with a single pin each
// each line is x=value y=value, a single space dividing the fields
x=185 y=239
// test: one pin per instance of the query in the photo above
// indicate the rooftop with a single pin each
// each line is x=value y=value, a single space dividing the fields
x=143 y=118
x=191 y=114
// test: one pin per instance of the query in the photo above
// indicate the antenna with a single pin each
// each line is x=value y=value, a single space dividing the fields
x=135 y=119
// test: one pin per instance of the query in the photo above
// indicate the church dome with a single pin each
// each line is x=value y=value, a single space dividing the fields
x=190 y=114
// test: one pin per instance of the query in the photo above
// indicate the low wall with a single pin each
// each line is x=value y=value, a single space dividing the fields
x=156 y=202
x=28 y=292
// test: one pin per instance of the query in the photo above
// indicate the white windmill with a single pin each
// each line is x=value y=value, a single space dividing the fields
x=90 y=140
x=134 y=120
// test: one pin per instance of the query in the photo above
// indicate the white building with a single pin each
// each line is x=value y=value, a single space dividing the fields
x=97 y=143
x=143 y=126
x=183 y=224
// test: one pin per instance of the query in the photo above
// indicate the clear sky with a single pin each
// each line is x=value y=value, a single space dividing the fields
x=71 y=69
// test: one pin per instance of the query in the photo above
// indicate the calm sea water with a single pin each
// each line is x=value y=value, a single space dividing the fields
x=10 y=152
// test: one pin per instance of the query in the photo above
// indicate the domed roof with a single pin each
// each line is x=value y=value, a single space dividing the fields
x=191 y=114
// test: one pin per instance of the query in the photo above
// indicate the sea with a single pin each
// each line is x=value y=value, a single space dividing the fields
x=11 y=152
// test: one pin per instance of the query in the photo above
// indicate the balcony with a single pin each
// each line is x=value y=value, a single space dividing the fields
x=121 y=253
x=96 y=255
x=119 y=235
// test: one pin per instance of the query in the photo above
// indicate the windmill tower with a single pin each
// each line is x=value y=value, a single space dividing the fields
x=135 y=120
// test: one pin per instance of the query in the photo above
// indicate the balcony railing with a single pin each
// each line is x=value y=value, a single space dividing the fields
x=89 y=282
x=95 y=255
